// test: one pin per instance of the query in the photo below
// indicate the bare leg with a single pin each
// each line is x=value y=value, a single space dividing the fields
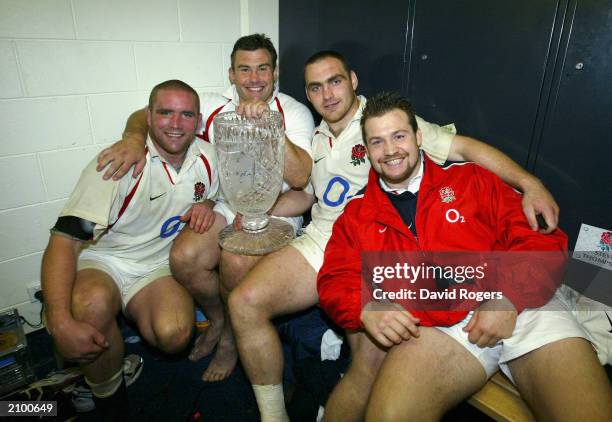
x=281 y=283
x=348 y=400
x=164 y=313
x=233 y=268
x=96 y=300
x=422 y=378
x=193 y=260
x=563 y=381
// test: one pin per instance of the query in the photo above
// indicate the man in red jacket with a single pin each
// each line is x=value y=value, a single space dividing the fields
x=419 y=359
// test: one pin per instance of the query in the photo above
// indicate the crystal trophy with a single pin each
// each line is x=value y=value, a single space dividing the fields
x=250 y=157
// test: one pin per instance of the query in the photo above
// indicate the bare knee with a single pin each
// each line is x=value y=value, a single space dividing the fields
x=233 y=267
x=183 y=256
x=245 y=305
x=189 y=256
x=172 y=335
x=96 y=304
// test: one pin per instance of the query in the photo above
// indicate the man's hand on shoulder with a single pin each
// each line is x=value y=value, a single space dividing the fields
x=123 y=154
x=538 y=200
x=491 y=322
x=252 y=109
x=200 y=216
x=389 y=323
x=78 y=341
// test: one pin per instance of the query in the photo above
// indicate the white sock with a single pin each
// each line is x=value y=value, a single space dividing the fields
x=271 y=402
x=106 y=388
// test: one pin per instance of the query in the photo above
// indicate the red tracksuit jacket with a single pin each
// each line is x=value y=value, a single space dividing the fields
x=484 y=215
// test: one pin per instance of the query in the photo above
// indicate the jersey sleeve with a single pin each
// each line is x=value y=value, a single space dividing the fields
x=299 y=124
x=339 y=279
x=436 y=139
x=95 y=199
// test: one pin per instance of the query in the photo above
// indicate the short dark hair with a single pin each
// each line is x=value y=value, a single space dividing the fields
x=176 y=85
x=383 y=103
x=324 y=54
x=255 y=42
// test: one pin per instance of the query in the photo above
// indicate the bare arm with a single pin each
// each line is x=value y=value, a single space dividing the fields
x=129 y=151
x=298 y=165
x=536 y=198
x=58 y=274
x=292 y=203
x=75 y=340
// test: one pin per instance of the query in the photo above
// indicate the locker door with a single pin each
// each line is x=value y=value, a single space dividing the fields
x=481 y=64
x=575 y=155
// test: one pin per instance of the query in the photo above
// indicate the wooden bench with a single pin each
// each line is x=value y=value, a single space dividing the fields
x=500 y=400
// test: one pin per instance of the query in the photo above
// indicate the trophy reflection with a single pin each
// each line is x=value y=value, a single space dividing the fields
x=250 y=156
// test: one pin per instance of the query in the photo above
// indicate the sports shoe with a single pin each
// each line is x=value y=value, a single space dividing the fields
x=82 y=398
x=132 y=367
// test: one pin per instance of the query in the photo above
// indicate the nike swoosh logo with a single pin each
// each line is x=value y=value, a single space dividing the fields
x=318 y=159
x=609 y=320
x=384 y=229
x=153 y=198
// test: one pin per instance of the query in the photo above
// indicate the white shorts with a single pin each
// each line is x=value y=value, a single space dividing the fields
x=223 y=209
x=311 y=244
x=129 y=277
x=596 y=319
x=534 y=328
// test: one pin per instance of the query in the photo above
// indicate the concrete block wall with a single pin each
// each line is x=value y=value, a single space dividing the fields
x=71 y=71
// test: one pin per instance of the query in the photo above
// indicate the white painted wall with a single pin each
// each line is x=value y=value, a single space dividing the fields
x=71 y=71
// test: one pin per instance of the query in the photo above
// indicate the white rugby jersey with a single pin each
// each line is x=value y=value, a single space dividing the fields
x=340 y=166
x=137 y=219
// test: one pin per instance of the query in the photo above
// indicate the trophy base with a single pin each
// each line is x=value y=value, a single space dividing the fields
x=277 y=234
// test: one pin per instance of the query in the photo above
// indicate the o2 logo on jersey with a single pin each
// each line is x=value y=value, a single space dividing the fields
x=171 y=227
x=343 y=184
x=452 y=216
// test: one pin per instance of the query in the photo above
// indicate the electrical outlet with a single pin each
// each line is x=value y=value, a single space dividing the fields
x=32 y=289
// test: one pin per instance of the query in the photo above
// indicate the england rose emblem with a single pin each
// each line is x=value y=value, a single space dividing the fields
x=358 y=154
x=605 y=242
x=198 y=191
